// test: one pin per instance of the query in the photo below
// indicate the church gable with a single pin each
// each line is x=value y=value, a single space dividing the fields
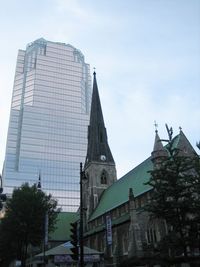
x=136 y=178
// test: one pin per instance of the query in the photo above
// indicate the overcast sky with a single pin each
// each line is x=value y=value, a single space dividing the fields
x=147 y=59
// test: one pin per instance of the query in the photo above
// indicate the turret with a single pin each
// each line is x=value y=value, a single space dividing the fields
x=159 y=152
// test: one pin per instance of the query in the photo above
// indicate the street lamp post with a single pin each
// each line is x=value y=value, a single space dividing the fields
x=39 y=186
x=82 y=177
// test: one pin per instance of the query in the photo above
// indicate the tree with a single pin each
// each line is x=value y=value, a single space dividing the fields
x=2 y=196
x=24 y=221
x=175 y=198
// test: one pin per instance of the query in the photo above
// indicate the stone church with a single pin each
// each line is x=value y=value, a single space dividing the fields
x=114 y=218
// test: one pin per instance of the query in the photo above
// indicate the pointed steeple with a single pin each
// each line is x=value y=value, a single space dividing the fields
x=99 y=166
x=158 y=149
x=98 y=148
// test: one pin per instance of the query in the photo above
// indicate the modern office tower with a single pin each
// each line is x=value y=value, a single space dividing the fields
x=47 y=134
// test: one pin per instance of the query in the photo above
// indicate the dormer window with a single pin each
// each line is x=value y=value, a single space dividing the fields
x=104 y=177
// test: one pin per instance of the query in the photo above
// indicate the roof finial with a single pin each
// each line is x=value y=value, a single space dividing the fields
x=180 y=128
x=156 y=126
x=94 y=73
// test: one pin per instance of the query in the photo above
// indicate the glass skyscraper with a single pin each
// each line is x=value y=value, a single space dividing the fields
x=47 y=134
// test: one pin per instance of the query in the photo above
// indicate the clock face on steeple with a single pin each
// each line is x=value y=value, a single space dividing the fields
x=103 y=157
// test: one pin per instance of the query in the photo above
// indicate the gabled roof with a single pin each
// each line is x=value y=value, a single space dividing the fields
x=184 y=145
x=65 y=249
x=118 y=193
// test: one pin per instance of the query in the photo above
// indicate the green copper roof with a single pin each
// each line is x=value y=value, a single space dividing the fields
x=118 y=193
x=62 y=232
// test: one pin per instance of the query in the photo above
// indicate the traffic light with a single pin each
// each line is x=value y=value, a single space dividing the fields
x=74 y=241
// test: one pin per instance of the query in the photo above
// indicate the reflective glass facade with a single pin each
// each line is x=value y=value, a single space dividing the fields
x=49 y=116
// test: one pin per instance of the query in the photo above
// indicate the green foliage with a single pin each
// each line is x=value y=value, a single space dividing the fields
x=175 y=198
x=23 y=224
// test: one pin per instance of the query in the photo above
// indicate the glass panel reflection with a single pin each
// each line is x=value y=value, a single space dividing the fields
x=48 y=121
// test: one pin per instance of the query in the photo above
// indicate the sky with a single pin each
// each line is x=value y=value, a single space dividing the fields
x=147 y=59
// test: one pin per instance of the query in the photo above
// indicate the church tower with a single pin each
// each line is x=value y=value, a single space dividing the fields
x=99 y=166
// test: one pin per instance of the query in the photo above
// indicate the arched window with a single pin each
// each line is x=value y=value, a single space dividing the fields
x=152 y=233
x=104 y=177
x=125 y=241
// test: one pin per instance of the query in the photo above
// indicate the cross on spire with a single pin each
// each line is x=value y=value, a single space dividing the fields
x=156 y=126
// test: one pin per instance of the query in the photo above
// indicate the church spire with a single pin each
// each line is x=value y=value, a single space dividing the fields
x=98 y=148
x=158 y=149
x=99 y=165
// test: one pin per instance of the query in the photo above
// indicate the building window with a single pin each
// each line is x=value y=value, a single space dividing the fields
x=114 y=213
x=123 y=209
x=95 y=200
x=126 y=207
x=99 y=220
x=104 y=177
x=153 y=235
